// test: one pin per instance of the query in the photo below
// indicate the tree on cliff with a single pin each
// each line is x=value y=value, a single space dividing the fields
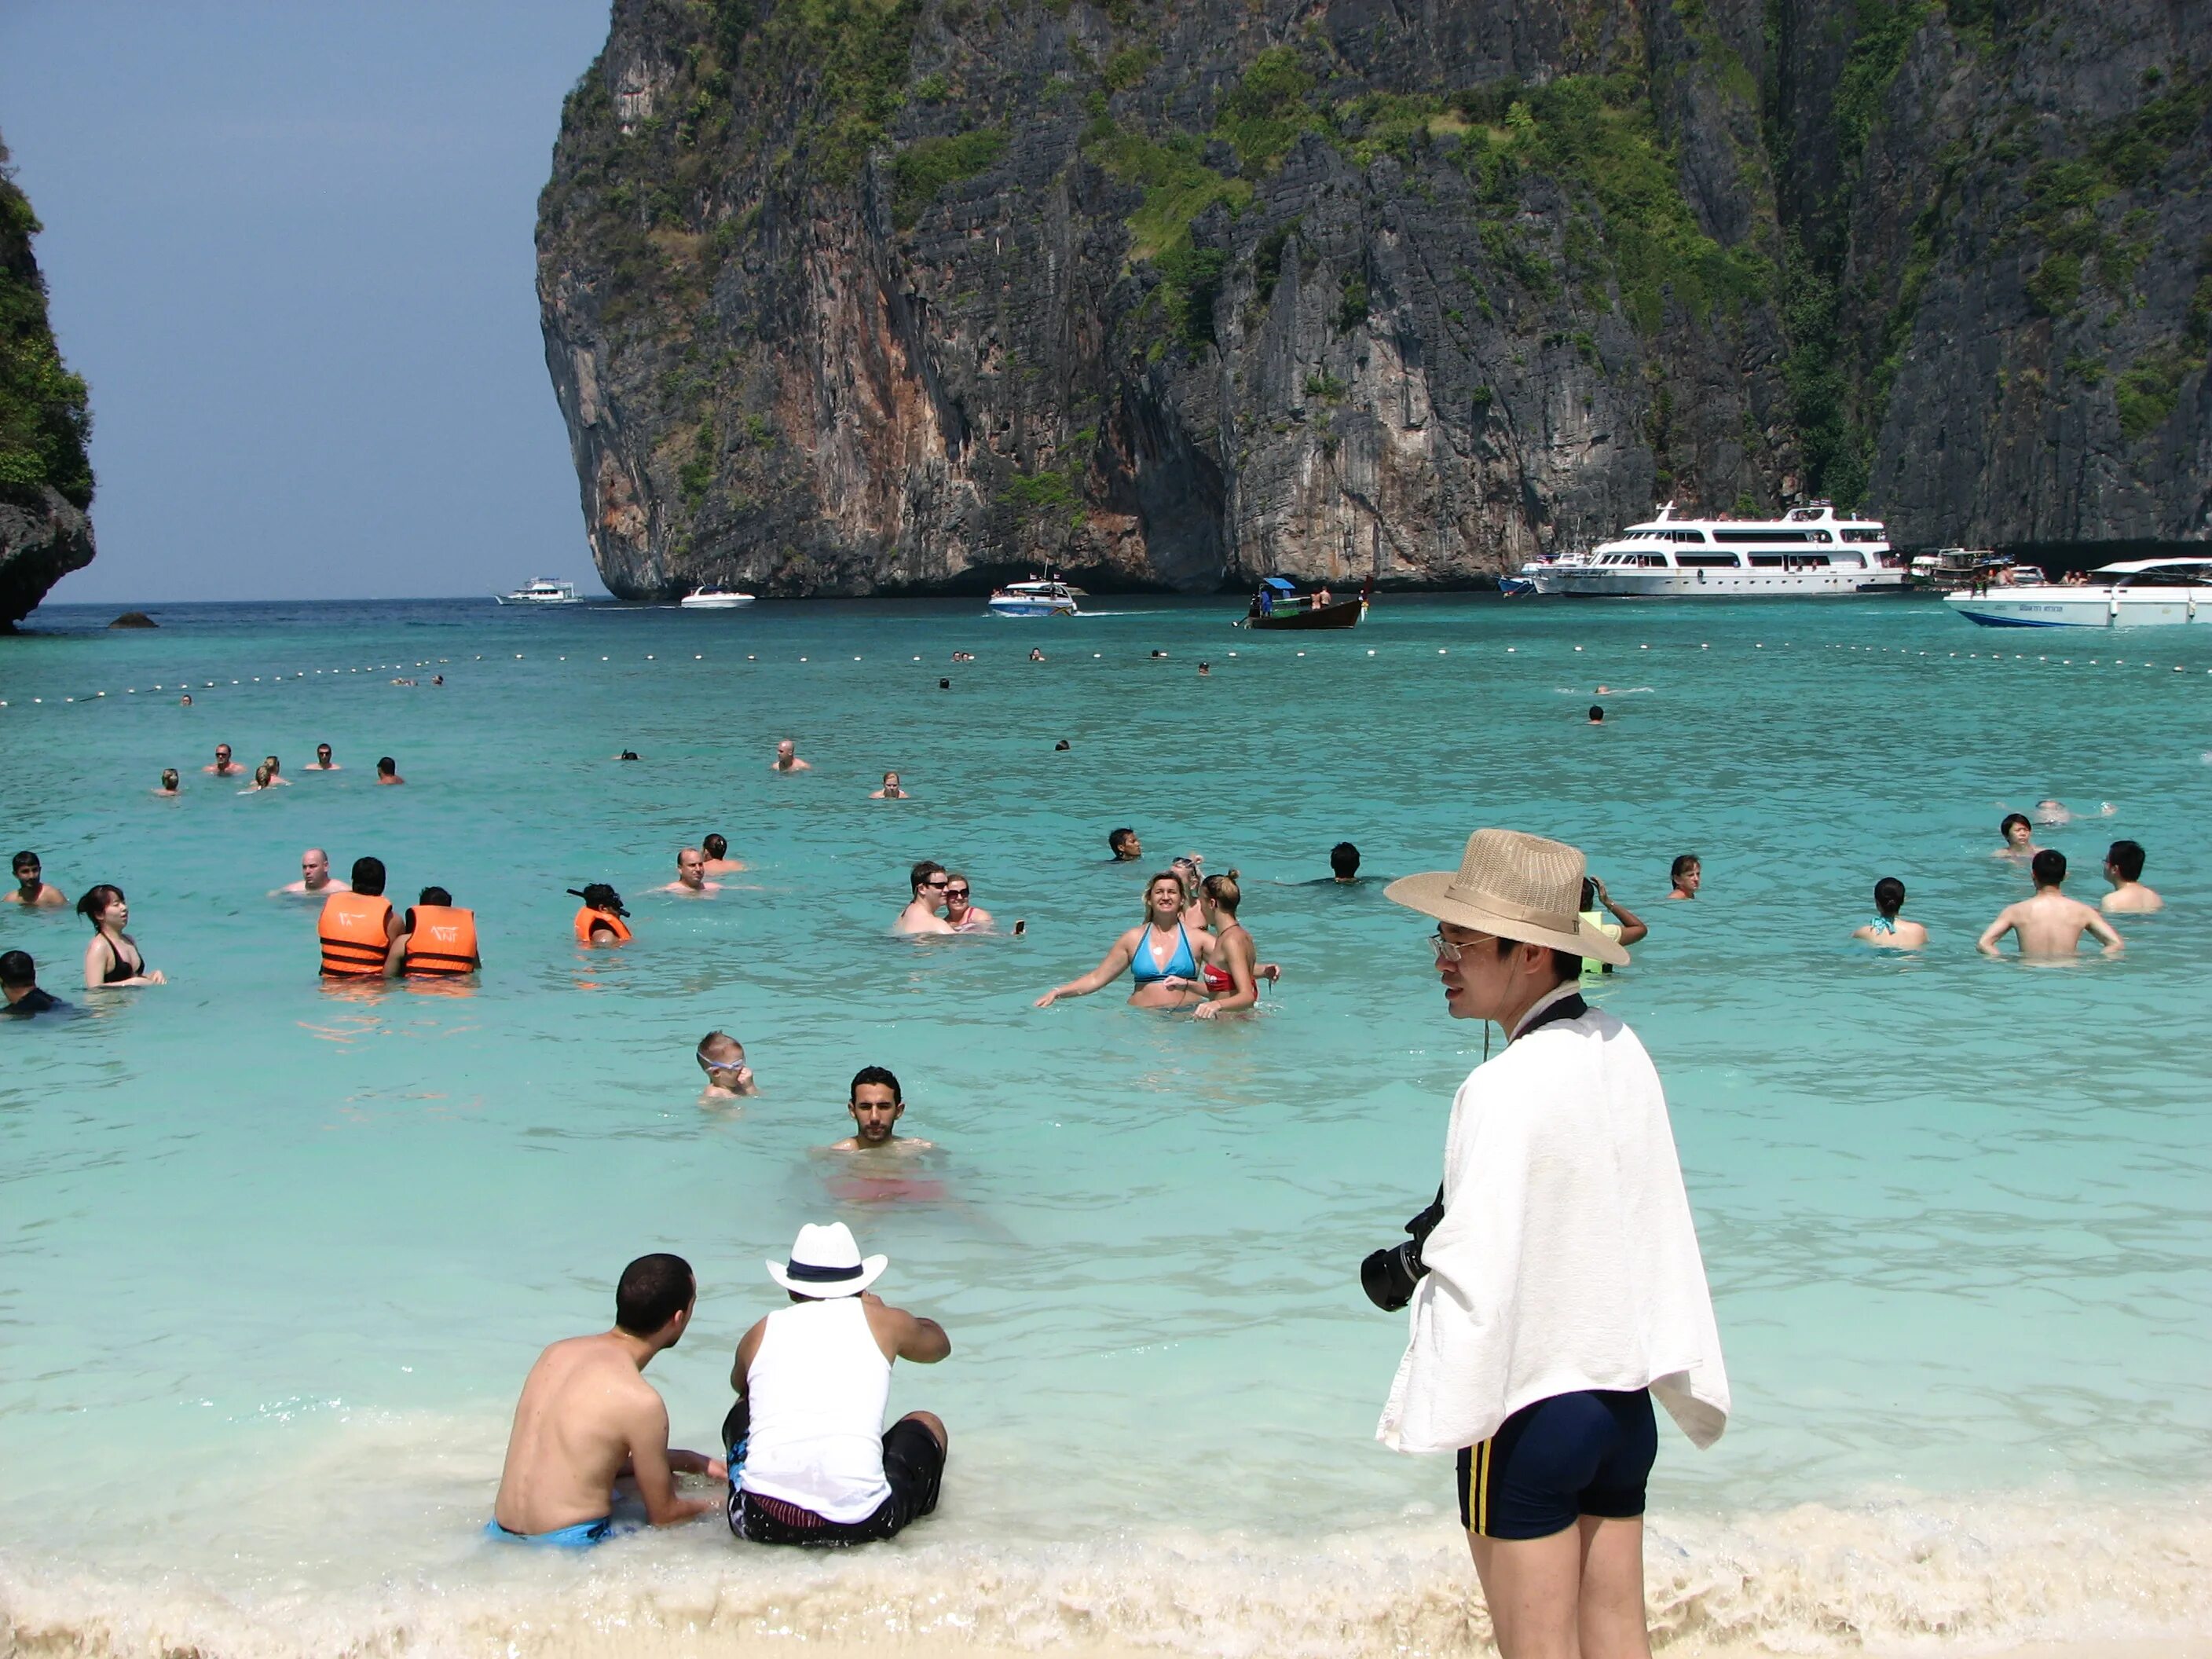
x=44 y=418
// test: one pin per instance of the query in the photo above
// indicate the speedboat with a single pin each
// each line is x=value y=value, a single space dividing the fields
x=541 y=590
x=2134 y=593
x=1041 y=598
x=1810 y=549
x=714 y=598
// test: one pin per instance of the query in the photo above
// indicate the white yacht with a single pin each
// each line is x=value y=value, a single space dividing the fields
x=1044 y=597
x=541 y=590
x=714 y=598
x=1809 y=550
x=2135 y=594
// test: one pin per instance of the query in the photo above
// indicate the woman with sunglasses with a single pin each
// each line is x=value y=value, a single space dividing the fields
x=1162 y=954
x=960 y=915
x=112 y=959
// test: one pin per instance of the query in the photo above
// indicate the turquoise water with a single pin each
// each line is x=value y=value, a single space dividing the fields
x=274 y=1257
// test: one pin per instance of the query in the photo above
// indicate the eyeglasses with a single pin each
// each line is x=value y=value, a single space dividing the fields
x=1447 y=951
x=956 y=892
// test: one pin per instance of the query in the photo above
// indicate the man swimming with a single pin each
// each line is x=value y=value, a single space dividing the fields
x=1596 y=715
x=787 y=758
x=1344 y=863
x=387 y=771
x=323 y=763
x=691 y=875
x=722 y=1058
x=315 y=877
x=2018 y=837
x=587 y=1418
x=21 y=994
x=929 y=881
x=2124 y=868
x=2050 y=924
x=1124 y=845
x=719 y=861
x=224 y=767
x=876 y=1106
x=960 y=915
x=31 y=887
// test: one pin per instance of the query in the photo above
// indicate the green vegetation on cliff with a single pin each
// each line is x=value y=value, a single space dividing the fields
x=45 y=420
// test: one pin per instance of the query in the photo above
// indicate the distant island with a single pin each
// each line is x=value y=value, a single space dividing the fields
x=45 y=479
x=904 y=296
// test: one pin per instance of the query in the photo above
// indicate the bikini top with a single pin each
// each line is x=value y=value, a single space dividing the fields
x=118 y=969
x=1883 y=925
x=1182 y=964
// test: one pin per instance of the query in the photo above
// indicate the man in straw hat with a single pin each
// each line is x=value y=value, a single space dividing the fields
x=812 y=1461
x=1562 y=1288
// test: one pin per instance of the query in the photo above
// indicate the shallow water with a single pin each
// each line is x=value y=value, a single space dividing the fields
x=273 y=1257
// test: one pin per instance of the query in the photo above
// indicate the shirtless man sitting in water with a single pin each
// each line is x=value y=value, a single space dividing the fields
x=929 y=881
x=787 y=758
x=876 y=1106
x=587 y=1418
x=2124 y=868
x=691 y=875
x=2050 y=924
x=719 y=861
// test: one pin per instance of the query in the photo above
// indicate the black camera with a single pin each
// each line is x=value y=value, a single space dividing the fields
x=1389 y=1275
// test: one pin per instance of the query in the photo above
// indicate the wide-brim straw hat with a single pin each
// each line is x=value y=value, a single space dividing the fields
x=1514 y=886
x=825 y=1262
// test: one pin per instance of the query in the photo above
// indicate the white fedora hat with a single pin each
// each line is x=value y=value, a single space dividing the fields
x=1515 y=886
x=825 y=1262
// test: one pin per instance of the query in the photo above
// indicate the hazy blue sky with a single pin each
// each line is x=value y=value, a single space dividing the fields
x=289 y=247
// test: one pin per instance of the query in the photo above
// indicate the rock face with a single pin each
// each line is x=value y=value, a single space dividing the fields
x=845 y=297
x=45 y=481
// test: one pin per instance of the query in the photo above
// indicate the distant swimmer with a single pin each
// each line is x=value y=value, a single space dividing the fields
x=260 y=780
x=315 y=877
x=1232 y=967
x=1205 y=669
x=1688 y=874
x=1037 y=654
x=21 y=994
x=691 y=875
x=876 y=1106
x=1626 y=927
x=1344 y=865
x=598 y=921
x=962 y=656
x=962 y=915
x=1889 y=931
x=1157 y=656
x=1124 y=845
x=890 y=791
x=813 y=1380
x=168 y=783
x=722 y=1058
x=224 y=767
x=2050 y=924
x=928 y=879
x=31 y=887
x=787 y=758
x=1061 y=747
x=437 y=941
x=719 y=861
x=1596 y=715
x=2054 y=813
x=628 y=754
x=587 y=1418
x=112 y=959
x=323 y=763
x=2018 y=837
x=185 y=702
x=387 y=770
x=1159 y=952
x=358 y=925
x=2124 y=868
x=275 y=770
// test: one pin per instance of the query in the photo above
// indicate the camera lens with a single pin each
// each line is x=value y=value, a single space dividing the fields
x=1389 y=1277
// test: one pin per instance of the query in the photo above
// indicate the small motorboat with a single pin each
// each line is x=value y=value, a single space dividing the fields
x=1044 y=597
x=714 y=598
x=541 y=590
x=1279 y=605
x=2136 y=593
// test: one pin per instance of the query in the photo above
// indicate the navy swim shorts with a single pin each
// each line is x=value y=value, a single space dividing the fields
x=1560 y=1459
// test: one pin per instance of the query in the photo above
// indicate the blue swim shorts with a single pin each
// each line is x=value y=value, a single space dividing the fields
x=581 y=1536
x=1552 y=1463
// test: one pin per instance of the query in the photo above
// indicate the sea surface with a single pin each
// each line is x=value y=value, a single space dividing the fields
x=275 y=1256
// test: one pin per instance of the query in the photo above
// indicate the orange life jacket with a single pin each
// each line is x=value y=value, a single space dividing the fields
x=444 y=941
x=352 y=929
x=587 y=919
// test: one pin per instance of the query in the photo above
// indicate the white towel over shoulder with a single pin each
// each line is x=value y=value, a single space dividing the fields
x=1566 y=1259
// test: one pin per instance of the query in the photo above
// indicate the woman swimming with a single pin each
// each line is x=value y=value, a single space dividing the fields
x=113 y=958
x=1161 y=953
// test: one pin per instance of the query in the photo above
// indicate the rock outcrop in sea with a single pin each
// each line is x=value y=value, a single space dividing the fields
x=46 y=480
x=848 y=296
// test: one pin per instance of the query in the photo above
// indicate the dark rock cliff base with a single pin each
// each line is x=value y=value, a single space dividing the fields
x=845 y=297
x=45 y=482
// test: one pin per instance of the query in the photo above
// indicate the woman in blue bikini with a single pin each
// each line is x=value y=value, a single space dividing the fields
x=1160 y=953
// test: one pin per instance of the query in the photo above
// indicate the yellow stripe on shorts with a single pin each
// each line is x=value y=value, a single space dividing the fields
x=1480 y=1505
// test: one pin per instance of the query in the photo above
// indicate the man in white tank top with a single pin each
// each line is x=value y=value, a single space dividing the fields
x=810 y=1460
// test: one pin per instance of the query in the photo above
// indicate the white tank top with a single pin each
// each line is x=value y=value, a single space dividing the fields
x=818 y=1387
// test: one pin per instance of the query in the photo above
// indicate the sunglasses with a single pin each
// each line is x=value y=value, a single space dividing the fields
x=956 y=892
x=933 y=883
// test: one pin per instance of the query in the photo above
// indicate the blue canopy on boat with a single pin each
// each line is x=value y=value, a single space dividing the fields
x=1278 y=584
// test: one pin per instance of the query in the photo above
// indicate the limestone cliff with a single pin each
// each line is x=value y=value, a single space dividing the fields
x=45 y=482
x=867 y=296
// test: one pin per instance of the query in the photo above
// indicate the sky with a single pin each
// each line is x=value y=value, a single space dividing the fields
x=289 y=245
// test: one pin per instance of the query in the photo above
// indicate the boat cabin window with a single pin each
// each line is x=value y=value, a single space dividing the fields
x=1767 y=561
x=2171 y=575
x=1855 y=561
x=1770 y=535
x=1707 y=561
x=1875 y=535
x=1655 y=561
x=1689 y=535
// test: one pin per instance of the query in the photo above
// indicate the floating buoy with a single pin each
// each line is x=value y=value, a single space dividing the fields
x=1371 y=653
x=1440 y=651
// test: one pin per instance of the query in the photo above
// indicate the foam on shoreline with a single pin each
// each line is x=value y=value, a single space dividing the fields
x=1919 y=1576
